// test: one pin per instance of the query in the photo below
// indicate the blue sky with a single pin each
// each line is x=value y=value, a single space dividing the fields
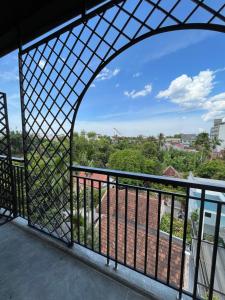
x=171 y=83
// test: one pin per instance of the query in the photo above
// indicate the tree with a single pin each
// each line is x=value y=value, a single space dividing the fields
x=161 y=140
x=133 y=161
x=215 y=142
x=212 y=169
x=149 y=149
x=127 y=160
x=203 y=144
x=16 y=143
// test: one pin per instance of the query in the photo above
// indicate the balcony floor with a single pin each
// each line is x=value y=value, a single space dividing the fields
x=32 y=268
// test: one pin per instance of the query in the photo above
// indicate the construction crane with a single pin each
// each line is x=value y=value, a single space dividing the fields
x=116 y=132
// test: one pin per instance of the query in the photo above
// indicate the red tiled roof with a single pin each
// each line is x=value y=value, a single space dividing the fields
x=131 y=204
x=175 y=265
x=93 y=176
x=172 y=172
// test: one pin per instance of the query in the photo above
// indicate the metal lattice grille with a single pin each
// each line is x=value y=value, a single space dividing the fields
x=6 y=188
x=55 y=74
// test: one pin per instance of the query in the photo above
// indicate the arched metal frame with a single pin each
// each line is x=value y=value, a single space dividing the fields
x=7 y=199
x=55 y=74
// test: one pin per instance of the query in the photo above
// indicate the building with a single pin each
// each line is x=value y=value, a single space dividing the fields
x=209 y=207
x=171 y=172
x=92 y=180
x=207 y=235
x=188 y=138
x=218 y=131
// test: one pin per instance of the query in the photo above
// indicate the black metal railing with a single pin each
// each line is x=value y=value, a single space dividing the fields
x=157 y=226
x=154 y=225
x=18 y=188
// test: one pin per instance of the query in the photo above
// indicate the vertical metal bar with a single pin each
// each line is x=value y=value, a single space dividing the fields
x=215 y=249
x=78 y=209
x=85 y=214
x=92 y=215
x=146 y=233
x=170 y=239
x=18 y=188
x=158 y=234
x=108 y=219
x=22 y=192
x=116 y=226
x=135 y=230
x=71 y=198
x=197 y=262
x=24 y=134
x=125 y=229
x=99 y=215
x=184 y=243
x=9 y=159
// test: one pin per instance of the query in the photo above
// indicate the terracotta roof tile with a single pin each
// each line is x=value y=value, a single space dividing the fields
x=176 y=252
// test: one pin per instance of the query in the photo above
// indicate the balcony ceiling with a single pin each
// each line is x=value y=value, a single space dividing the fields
x=30 y=19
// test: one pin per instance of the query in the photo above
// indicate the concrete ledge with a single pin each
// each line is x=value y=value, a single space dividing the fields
x=141 y=284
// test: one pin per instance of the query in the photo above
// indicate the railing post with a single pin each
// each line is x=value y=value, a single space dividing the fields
x=215 y=249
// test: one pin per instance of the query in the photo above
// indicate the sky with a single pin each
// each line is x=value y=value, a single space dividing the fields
x=170 y=83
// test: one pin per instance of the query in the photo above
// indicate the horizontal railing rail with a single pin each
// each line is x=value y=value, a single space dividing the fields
x=152 y=178
x=144 y=222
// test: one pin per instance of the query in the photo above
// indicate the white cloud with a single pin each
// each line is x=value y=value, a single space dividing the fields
x=117 y=85
x=42 y=63
x=189 y=91
x=136 y=75
x=215 y=107
x=195 y=93
x=142 y=93
x=106 y=74
x=92 y=85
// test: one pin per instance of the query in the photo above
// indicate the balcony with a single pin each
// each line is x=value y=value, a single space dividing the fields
x=76 y=232
x=148 y=234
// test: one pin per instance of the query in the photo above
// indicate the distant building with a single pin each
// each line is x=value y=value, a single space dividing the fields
x=207 y=234
x=210 y=208
x=173 y=140
x=188 y=138
x=218 y=131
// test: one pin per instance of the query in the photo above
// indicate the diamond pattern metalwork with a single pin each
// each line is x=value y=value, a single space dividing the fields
x=57 y=71
x=7 y=207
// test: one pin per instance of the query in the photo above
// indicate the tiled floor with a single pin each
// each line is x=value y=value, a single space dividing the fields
x=32 y=269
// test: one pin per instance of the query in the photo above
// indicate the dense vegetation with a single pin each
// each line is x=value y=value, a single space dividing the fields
x=138 y=154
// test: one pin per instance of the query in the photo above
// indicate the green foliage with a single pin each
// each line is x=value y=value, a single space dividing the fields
x=138 y=154
x=182 y=161
x=16 y=143
x=178 y=227
x=195 y=215
x=212 y=169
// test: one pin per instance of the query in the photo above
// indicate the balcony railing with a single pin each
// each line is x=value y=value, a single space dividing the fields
x=19 y=185
x=156 y=226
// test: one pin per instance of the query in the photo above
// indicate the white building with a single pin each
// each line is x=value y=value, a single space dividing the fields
x=210 y=208
x=218 y=131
